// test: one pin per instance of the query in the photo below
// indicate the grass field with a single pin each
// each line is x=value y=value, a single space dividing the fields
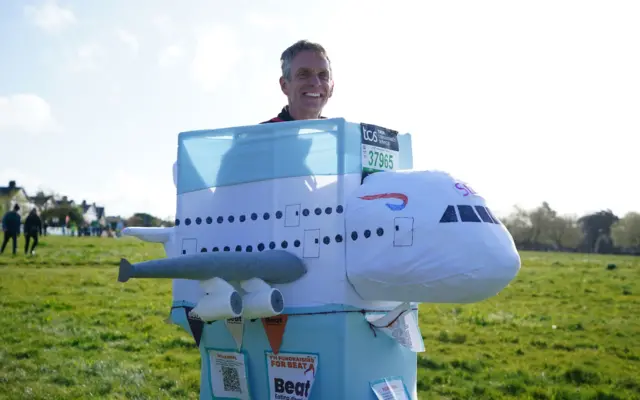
x=567 y=328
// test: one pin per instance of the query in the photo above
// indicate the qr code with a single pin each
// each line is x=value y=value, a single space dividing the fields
x=231 y=379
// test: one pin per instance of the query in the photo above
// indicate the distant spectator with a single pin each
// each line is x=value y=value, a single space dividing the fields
x=32 y=228
x=11 y=227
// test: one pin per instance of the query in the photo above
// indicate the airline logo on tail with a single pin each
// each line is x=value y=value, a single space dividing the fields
x=391 y=206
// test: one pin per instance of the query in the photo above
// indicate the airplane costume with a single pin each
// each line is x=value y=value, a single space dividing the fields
x=302 y=250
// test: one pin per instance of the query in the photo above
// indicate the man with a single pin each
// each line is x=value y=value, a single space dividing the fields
x=11 y=227
x=32 y=228
x=307 y=81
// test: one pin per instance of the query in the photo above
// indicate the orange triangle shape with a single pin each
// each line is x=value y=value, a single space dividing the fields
x=274 y=327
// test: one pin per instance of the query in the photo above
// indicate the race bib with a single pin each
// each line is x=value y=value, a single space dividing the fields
x=380 y=149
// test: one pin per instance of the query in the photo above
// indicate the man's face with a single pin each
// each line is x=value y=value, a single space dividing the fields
x=310 y=87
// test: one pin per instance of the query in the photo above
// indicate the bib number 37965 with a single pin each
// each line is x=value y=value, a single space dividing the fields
x=380 y=150
x=379 y=159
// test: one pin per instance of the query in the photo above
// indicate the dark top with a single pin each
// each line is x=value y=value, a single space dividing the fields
x=284 y=116
x=11 y=222
x=33 y=225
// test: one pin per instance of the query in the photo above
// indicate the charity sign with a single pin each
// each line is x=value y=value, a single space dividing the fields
x=392 y=388
x=291 y=375
x=228 y=374
x=401 y=325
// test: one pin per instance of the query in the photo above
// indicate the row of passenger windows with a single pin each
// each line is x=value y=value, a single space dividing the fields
x=367 y=233
x=254 y=216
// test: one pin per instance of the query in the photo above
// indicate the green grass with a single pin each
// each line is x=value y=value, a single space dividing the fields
x=566 y=328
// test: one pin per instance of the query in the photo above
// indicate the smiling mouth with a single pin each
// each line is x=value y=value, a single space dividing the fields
x=312 y=94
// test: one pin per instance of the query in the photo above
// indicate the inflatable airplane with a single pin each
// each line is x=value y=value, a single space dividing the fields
x=297 y=244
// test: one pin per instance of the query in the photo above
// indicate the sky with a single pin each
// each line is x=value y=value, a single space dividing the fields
x=526 y=101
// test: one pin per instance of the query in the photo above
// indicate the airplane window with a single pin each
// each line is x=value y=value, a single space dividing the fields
x=467 y=214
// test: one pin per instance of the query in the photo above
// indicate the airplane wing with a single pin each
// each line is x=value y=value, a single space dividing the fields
x=153 y=235
x=273 y=267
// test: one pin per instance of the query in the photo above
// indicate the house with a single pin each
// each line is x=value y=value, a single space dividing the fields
x=92 y=214
x=42 y=201
x=94 y=217
x=64 y=201
x=13 y=194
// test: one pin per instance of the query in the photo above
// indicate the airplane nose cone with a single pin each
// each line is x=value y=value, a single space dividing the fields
x=423 y=236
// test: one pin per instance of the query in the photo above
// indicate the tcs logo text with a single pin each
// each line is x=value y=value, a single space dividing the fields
x=370 y=135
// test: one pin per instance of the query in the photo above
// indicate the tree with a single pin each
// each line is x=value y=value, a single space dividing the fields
x=60 y=213
x=543 y=228
x=564 y=232
x=597 y=230
x=542 y=219
x=519 y=226
x=144 y=219
x=626 y=231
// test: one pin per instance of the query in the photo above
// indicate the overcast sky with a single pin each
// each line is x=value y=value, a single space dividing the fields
x=527 y=101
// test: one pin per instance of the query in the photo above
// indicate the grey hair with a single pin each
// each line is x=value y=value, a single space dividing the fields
x=292 y=51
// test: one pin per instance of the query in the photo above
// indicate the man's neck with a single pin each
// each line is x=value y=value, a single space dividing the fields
x=299 y=115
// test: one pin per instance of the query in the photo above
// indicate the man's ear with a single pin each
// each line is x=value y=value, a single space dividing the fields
x=331 y=90
x=283 y=86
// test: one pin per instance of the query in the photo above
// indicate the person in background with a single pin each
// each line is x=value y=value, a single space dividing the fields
x=32 y=228
x=11 y=226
